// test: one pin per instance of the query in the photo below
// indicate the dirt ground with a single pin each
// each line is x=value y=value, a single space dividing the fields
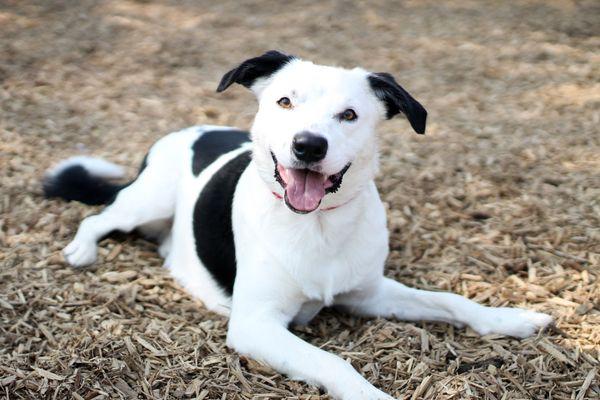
x=499 y=201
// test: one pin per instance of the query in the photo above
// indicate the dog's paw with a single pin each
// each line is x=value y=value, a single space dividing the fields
x=374 y=394
x=516 y=322
x=365 y=392
x=80 y=253
x=165 y=247
x=378 y=395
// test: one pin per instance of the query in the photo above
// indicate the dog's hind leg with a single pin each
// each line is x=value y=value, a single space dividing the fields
x=150 y=198
x=388 y=298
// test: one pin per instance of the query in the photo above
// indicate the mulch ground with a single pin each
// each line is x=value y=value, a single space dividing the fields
x=500 y=201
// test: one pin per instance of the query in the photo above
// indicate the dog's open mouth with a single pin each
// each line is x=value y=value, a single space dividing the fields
x=305 y=188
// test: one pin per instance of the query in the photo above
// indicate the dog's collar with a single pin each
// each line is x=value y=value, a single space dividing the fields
x=280 y=197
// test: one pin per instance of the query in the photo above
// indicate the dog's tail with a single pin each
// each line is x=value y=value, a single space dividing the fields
x=85 y=179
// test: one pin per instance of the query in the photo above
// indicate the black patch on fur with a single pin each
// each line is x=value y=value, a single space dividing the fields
x=213 y=144
x=254 y=68
x=397 y=100
x=76 y=183
x=213 y=230
x=337 y=181
x=276 y=174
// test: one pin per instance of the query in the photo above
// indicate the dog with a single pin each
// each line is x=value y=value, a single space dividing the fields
x=268 y=227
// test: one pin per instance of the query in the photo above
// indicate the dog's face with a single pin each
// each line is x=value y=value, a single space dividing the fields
x=315 y=124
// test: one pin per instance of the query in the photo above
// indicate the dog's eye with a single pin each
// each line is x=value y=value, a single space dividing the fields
x=348 y=115
x=284 y=102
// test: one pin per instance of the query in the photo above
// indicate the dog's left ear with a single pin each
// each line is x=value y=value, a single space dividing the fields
x=397 y=100
x=255 y=68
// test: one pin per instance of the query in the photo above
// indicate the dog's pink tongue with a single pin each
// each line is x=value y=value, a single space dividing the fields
x=304 y=189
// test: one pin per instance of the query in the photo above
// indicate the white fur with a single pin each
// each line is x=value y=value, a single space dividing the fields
x=95 y=166
x=289 y=266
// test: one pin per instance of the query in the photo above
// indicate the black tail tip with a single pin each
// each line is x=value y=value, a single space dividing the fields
x=76 y=183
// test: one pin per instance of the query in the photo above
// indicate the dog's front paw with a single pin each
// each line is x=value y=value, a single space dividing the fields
x=80 y=253
x=365 y=392
x=375 y=394
x=516 y=322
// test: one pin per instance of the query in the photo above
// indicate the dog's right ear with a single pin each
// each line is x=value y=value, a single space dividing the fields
x=248 y=72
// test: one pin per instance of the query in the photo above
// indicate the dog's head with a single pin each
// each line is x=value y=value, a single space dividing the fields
x=315 y=125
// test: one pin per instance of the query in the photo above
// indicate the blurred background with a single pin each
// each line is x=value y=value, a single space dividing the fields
x=499 y=201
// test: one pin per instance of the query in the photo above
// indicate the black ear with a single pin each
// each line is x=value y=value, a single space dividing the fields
x=254 y=68
x=397 y=100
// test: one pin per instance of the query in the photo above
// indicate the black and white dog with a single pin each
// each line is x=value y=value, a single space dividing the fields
x=272 y=226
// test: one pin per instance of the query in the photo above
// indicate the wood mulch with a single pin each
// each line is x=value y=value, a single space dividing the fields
x=499 y=201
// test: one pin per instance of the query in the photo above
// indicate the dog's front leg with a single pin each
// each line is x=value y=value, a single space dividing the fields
x=263 y=335
x=388 y=298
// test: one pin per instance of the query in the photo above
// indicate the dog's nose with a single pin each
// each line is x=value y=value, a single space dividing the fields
x=309 y=147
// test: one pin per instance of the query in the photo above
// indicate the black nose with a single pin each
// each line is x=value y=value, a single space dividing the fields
x=309 y=147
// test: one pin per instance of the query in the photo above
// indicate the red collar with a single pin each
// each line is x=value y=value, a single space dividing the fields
x=280 y=197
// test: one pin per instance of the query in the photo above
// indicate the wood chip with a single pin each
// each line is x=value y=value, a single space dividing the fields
x=118 y=277
x=586 y=384
x=423 y=386
x=48 y=375
x=554 y=352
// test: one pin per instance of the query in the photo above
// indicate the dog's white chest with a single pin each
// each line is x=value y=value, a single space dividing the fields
x=316 y=256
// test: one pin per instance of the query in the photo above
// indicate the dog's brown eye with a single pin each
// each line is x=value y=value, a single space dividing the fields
x=348 y=115
x=284 y=102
